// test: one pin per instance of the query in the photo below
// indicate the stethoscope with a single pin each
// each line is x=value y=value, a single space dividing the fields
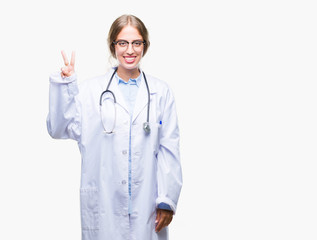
x=146 y=125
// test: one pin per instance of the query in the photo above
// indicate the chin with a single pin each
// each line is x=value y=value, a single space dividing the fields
x=129 y=66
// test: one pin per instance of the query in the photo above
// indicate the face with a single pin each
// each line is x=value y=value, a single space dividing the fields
x=129 y=56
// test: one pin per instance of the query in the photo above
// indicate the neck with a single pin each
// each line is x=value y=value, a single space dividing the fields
x=126 y=74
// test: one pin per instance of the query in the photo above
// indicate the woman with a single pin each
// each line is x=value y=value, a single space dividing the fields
x=128 y=138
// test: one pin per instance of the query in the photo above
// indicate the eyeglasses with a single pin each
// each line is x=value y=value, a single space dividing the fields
x=136 y=45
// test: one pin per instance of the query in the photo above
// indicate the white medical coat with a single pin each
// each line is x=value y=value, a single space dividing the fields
x=156 y=170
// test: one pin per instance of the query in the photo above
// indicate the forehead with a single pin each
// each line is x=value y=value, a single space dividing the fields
x=129 y=33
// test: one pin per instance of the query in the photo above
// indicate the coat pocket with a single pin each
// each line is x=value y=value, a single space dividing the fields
x=155 y=136
x=89 y=207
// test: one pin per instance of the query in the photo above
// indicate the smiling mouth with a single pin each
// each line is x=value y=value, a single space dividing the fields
x=129 y=59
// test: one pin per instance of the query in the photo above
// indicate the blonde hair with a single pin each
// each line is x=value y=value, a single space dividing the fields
x=119 y=24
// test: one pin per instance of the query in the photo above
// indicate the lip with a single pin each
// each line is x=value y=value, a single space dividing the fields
x=129 y=59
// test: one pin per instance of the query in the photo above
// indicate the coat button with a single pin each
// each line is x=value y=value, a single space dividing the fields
x=124 y=152
x=124 y=182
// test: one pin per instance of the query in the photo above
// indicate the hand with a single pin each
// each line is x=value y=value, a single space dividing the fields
x=163 y=219
x=69 y=69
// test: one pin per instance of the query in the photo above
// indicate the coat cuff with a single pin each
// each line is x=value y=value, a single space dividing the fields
x=164 y=206
x=166 y=201
x=57 y=78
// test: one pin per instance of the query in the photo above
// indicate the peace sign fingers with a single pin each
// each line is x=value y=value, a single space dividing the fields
x=69 y=69
x=65 y=58
x=72 y=60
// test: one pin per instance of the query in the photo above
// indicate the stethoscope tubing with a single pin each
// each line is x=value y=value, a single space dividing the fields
x=148 y=99
x=146 y=125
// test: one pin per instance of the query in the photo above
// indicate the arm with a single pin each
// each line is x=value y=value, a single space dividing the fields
x=63 y=120
x=169 y=173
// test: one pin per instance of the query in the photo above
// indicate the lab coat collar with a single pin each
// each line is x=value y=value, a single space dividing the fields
x=136 y=80
x=115 y=89
x=142 y=96
x=150 y=82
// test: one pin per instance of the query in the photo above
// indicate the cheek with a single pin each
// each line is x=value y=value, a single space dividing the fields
x=117 y=54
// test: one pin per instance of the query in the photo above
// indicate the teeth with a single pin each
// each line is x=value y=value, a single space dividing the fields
x=129 y=59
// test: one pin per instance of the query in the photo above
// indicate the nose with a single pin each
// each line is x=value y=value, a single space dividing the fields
x=130 y=49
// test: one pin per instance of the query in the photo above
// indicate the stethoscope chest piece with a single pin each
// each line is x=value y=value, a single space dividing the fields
x=146 y=127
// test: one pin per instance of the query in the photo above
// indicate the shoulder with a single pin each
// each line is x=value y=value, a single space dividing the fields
x=157 y=85
x=96 y=83
x=93 y=81
x=161 y=89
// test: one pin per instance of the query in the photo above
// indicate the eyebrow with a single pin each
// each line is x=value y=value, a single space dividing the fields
x=128 y=41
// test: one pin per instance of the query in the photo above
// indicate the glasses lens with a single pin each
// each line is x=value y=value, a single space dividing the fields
x=122 y=44
x=137 y=45
x=108 y=112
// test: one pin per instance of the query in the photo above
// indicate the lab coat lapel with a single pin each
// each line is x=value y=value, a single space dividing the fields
x=117 y=92
x=142 y=98
x=119 y=96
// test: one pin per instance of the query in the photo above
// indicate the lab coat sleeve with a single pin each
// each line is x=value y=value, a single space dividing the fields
x=169 y=172
x=63 y=120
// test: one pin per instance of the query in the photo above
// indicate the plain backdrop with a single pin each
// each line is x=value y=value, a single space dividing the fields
x=244 y=77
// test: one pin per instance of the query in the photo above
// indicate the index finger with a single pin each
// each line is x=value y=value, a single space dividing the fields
x=65 y=58
x=159 y=225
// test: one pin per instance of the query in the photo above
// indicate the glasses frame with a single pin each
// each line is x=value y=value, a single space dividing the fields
x=128 y=43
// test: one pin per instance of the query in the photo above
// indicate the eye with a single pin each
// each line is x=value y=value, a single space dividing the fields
x=137 y=43
x=122 y=43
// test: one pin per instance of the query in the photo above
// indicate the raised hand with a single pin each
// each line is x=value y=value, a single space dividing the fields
x=68 y=69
